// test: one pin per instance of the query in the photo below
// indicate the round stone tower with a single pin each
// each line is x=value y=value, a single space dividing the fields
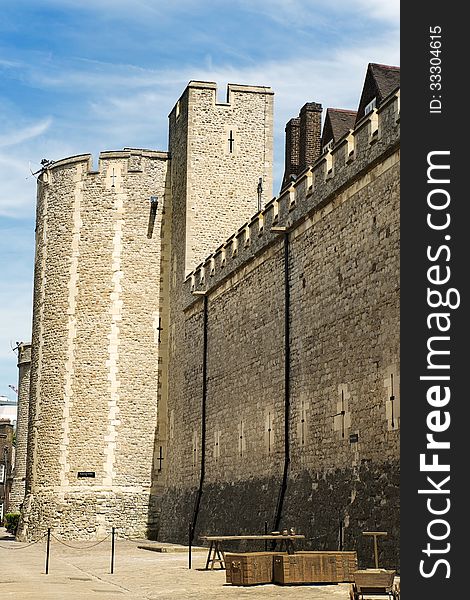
x=19 y=473
x=95 y=343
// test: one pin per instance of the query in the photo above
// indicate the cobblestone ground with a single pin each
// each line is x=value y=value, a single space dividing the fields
x=82 y=572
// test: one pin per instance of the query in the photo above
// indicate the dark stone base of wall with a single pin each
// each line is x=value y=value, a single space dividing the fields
x=329 y=508
x=225 y=509
x=344 y=503
x=176 y=514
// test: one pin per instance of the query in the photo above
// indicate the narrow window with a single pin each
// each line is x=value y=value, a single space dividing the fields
x=231 y=142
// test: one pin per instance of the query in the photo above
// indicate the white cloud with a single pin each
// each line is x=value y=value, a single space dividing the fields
x=86 y=75
x=124 y=105
x=17 y=193
x=10 y=63
x=20 y=135
x=318 y=13
x=128 y=106
x=140 y=11
x=335 y=81
x=384 y=10
x=308 y=12
x=18 y=190
x=15 y=314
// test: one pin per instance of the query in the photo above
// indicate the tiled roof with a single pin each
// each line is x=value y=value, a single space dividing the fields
x=337 y=122
x=380 y=81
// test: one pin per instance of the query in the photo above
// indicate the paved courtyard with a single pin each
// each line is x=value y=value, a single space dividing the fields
x=83 y=572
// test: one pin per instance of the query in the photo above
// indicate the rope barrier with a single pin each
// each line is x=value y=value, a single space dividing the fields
x=23 y=547
x=73 y=547
x=80 y=547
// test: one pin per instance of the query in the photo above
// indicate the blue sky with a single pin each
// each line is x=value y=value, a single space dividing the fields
x=78 y=77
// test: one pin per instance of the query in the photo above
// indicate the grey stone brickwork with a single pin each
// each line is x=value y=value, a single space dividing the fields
x=343 y=220
x=19 y=473
x=95 y=347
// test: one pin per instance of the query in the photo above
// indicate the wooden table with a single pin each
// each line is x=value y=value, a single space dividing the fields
x=216 y=554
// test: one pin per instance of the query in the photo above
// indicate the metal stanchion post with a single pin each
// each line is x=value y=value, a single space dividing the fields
x=190 y=543
x=48 y=547
x=112 y=549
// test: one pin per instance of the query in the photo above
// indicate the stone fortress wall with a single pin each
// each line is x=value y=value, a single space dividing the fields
x=342 y=428
x=94 y=345
x=207 y=367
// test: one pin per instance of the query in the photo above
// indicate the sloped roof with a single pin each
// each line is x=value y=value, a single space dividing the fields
x=380 y=81
x=337 y=122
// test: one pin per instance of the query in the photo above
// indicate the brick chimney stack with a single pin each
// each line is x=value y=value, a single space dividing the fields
x=292 y=149
x=303 y=140
x=310 y=134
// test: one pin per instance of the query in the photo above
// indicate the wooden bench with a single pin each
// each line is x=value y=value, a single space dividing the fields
x=216 y=553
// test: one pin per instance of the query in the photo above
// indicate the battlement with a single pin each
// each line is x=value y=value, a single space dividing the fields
x=220 y=154
x=373 y=139
x=233 y=90
x=133 y=157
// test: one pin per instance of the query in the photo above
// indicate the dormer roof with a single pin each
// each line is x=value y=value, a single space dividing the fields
x=380 y=81
x=338 y=121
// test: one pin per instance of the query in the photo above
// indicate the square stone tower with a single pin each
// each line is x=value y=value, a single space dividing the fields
x=221 y=164
x=220 y=176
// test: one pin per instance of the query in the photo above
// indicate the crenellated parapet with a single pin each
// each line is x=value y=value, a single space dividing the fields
x=131 y=160
x=373 y=138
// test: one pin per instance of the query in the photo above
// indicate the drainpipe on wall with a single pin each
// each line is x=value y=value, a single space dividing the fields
x=282 y=491
x=197 y=503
